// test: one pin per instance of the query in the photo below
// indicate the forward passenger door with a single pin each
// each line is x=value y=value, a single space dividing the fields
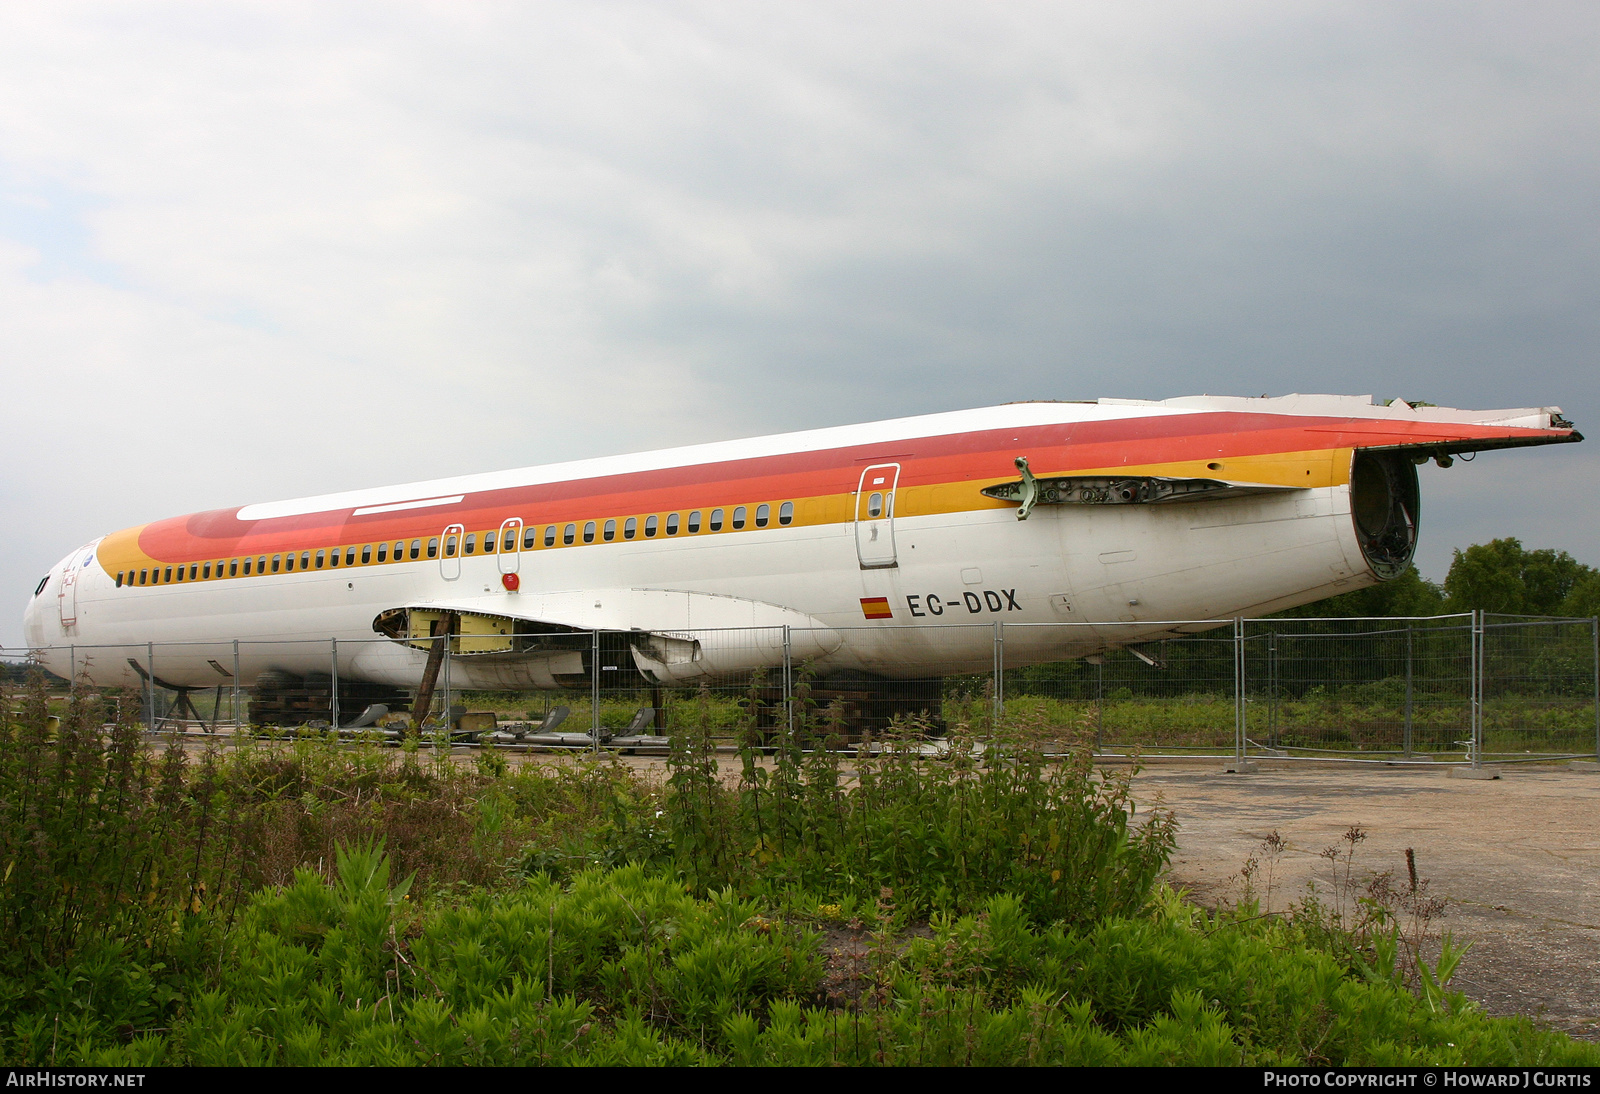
x=450 y=552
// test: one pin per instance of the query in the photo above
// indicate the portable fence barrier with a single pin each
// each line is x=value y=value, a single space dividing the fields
x=1473 y=689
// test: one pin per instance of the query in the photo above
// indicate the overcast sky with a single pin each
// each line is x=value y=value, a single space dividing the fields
x=259 y=251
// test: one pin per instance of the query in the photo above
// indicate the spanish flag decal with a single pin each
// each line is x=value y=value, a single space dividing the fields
x=876 y=607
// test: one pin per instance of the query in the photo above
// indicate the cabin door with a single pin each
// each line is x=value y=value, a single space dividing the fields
x=511 y=545
x=450 y=555
x=875 y=516
x=68 y=596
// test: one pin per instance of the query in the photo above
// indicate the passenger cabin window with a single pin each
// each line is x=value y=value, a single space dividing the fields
x=550 y=536
x=40 y=589
x=672 y=524
x=322 y=559
x=488 y=542
x=233 y=567
x=261 y=565
x=366 y=553
x=611 y=530
x=763 y=515
x=588 y=532
x=180 y=573
x=510 y=543
x=694 y=522
x=875 y=505
x=716 y=520
x=142 y=575
x=169 y=575
x=275 y=559
x=305 y=560
x=786 y=512
x=738 y=518
x=383 y=552
x=630 y=527
x=416 y=549
x=350 y=557
x=471 y=542
x=333 y=557
x=205 y=574
x=433 y=547
x=449 y=546
x=530 y=537
x=568 y=534
x=289 y=562
x=650 y=525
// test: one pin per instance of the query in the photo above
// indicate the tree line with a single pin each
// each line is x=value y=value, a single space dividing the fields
x=1502 y=577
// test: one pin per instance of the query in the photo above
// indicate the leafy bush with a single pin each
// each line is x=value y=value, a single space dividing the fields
x=943 y=832
x=311 y=904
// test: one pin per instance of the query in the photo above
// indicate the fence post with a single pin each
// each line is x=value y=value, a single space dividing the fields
x=1099 y=703
x=72 y=670
x=594 y=692
x=999 y=673
x=788 y=687
x=150 y=686
x=444 y=721
x=1594 y=628
x=1272 y=686
x=1407 y=742
x=333 y=685
x=234 y=694
x=1238 y=691
x=1477 y=688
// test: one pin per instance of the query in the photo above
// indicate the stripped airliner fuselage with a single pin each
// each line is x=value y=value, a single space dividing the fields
x=846 y=543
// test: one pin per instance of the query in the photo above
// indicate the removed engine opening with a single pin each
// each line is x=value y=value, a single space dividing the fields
x=1385 y=503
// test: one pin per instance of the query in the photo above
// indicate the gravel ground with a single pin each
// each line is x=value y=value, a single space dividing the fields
x=1517 y=859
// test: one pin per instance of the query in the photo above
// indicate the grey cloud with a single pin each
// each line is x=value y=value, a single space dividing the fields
x=564 y=230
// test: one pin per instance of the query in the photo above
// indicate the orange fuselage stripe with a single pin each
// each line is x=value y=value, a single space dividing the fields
x=939 y=475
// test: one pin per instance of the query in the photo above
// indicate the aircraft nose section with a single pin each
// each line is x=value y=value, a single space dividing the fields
x=34 y=616
x=30 y=622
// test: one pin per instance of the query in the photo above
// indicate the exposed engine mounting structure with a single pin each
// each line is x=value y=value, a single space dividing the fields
x=1384 y=504
x=1105 y=490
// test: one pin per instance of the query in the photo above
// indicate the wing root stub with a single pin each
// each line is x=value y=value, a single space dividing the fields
x=1117 y=490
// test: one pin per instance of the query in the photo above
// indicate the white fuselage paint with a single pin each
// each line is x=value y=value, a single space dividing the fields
x=1082 y=578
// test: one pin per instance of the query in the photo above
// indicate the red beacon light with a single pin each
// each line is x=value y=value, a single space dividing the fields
x=510 y=581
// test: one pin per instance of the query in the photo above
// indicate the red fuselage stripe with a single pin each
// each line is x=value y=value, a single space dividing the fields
x=985 y=455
